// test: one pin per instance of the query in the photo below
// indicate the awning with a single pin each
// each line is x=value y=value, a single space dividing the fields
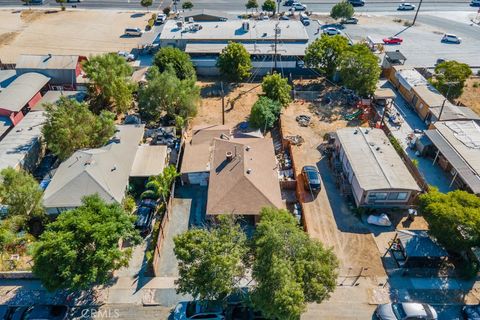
x=150 y=160
x=384 y=93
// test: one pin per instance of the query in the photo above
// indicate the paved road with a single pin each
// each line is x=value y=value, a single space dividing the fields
x=239 y=5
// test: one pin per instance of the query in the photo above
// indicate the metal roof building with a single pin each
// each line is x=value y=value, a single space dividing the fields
x=458 y=142
x=374 y=169
x=21 y=146
x=16 y=96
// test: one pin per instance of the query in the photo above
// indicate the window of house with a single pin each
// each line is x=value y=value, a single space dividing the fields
x=398 y=196
x=377 y=195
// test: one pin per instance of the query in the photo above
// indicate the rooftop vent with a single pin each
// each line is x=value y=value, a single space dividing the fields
x=245 y=26
x=249 y=171
x=355 y=132
x=114 y=167
x=224 y=136
x=229 y=156
x=49 y=56
x=248 y=148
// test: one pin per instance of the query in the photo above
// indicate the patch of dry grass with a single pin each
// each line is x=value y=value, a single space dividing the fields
x=471 y=94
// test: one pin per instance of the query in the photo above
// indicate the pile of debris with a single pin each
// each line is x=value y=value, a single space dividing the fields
x=295 y=140
x=303 y=120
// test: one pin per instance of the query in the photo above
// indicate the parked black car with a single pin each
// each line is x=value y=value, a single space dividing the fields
x=357 y=3
x=144 y=220
x=289 y=3
x=40 y=312
x=311 y=178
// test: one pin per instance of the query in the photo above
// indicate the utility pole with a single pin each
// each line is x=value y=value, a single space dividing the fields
x=277 y=31
x=223 y=103
x=416 y=13
x=449 y=84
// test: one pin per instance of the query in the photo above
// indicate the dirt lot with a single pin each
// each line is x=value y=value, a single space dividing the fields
x=471 y=94
x=238 y=103
x=69 y=32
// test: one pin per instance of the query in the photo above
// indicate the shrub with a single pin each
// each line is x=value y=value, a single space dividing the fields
x=265 y=113
x=149 y=194
x=167 y=10
x=154 y=16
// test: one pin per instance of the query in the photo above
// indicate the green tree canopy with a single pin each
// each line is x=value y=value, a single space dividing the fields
x=81 y=248
x=146 y=3
x=187 y=5
x=251 y=4
x=70 y=126
x=277 y=88
x=454 y=218
x=164 y=93
x=178 y=59
x=450 y=77
x=111 y=87
x=343 y=10
x=325 y=53
x=163 y=182
x=265 y=113
x=269 y=5
x=290 y=269
x=359 y=70
x=21 y=193
x=234 y=62
x=211 y=261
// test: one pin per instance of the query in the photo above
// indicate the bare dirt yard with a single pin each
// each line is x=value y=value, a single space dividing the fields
x=238 y=103
x=471 y=94
x=66 y=32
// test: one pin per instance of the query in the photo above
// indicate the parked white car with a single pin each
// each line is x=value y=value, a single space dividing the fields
x=161 y=17
x=299 y=7
x=126 y=55
x=331 y=31
x=451 y=38
x=190 y=310
x=406 y=310
x=406 y=6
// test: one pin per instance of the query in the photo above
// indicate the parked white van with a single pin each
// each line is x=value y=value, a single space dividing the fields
x=137 y=32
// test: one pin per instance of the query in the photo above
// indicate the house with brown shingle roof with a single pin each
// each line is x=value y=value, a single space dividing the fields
x=243 y=177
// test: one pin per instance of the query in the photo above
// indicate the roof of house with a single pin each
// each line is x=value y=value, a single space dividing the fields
x=284 y=49
x=103 y=170
x=5 y=125
x=374 y=161
x=395 y=55
x=459 y=143
x=384 y=93
x=21 y=139
x=52 y=97
x=196 y=157
x=149 y=160
x=47 y=61
x=409 y=77
x=418 y=244
x=206 y=12
x=246 y=183
x=260 y=30
x=453 y=112
x=21 y=90
x=7 y=76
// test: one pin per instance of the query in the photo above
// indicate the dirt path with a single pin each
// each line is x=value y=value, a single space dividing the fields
x=328 y=217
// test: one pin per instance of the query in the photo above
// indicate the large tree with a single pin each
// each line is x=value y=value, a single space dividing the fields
x=179 y=60
x=450 y=77
x=70 y=126
x=211 y=262
x=269 y=5
x=343 y=10
x=234 y=62
x=325 y=53
x=454 y=218
x=110 y=85
x=187 y=5
x=251 y=4
x=277 y=88
x=164 y=93
x=21 y=193
x=146 y=3
x=265 y=113
x=81 y=248
x=290 y=269
x=359 y=70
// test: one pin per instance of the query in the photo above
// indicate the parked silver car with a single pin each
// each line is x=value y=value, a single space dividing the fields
x=405 y=311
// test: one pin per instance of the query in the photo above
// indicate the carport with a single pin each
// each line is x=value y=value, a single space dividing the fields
x=416 y=249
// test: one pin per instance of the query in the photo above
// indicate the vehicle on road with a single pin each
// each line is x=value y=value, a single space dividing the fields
x=406 y=7
x=311 y=178
x=126 y=55
x=284 y=17
x=471 y=312
x=392 y=40
x=299 y=7
x=51 y=312
x=405 y=311
x=451 y=38
x=187 y=310
x=161 y=18
x=305 y=19
x=331 y=31
x=475 y=3
x=351 y=20
x=136 y=32
x=357 y=3
x=289 y=3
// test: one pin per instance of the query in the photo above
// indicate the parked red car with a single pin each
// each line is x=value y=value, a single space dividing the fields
x=392 y=40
